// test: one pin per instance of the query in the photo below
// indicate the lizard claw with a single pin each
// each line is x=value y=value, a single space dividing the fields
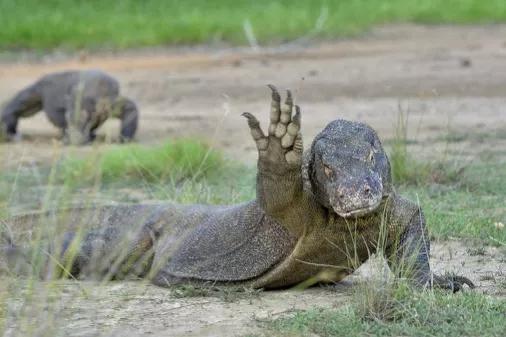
x=275 y=93
x=252 y=120
x=256 y=131
x=275 y=109
x=453 y=282
x=283 y=141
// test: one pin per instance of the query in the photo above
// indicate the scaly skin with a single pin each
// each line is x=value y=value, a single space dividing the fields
x=316 y=218
x=77 y=102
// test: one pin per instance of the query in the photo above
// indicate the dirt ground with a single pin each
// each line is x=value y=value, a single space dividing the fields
x=448 y=79
x=139 y=309
x=451 y=80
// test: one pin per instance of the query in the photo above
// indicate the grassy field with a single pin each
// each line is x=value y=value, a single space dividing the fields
x=74 y=24
x=401 y=313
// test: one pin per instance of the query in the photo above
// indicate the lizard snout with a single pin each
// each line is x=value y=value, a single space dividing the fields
x=357 y=197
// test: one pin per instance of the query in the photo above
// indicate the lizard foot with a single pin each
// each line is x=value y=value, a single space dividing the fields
x=284 y=142
x=452 y=282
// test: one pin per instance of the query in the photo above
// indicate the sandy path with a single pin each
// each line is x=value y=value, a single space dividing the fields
x=449 y=79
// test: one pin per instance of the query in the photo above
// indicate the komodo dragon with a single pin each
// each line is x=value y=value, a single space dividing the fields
x=77 y=102
x=316 y=216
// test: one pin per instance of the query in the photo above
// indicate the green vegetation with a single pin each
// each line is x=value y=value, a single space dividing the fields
x=129 y=23
x=178 y=160
x=402 y=313
x=408 y=170
x=459 y=199
x=185 y=171
x=469 y=208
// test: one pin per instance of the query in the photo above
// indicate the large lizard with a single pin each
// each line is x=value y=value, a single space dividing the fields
x=317 y=216
x=77 y=102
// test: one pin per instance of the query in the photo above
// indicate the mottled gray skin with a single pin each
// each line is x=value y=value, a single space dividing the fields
x=316 y=218
x=77 y=102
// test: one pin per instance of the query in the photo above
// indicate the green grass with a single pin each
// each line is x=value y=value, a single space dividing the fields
x=176 y=160
x=185 y=171
x=129 y=23
x=409 y=314
x=409 y=170
x=468 y=207
x=459 y=199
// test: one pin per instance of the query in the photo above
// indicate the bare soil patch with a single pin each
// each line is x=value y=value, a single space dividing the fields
x=450 y=79
x=139 y=309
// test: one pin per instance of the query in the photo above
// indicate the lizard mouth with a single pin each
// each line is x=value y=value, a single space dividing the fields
x=359 y=212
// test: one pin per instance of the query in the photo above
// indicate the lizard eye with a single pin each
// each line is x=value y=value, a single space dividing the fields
x=370 y=157
x=327 y=170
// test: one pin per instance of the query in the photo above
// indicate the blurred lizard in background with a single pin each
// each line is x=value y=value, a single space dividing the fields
x=77 y=102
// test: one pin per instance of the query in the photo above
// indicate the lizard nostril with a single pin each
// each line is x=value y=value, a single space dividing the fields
x=367 y=190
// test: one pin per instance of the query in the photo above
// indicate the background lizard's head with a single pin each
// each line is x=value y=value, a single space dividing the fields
x=348 y=169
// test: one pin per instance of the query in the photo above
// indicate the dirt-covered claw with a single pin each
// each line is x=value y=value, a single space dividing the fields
x=458 y=283
x=286 y=109
x=292 y=130
x=256 y=131
x=275 y=109
x=295 y=155
x=453 y=282
x=298 y=145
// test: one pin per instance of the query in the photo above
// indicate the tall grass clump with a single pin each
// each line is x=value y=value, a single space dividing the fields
x=173 y=160
x=408 y=169
x=399 y=158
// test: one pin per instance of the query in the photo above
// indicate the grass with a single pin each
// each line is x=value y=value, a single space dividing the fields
x=387 y=306
x=74 y=24
x=467 y=208
x=459 y=199
x=409 y=170
x=402 y=313
x=185 y=171
x=177 y=160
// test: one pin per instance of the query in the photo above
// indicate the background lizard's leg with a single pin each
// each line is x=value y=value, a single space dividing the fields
x=26 y=103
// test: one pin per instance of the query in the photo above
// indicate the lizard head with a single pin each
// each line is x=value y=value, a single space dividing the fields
x=348 y=169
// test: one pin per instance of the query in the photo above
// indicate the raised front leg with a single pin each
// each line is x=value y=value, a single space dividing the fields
x=279 y=179
x=408 y=257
